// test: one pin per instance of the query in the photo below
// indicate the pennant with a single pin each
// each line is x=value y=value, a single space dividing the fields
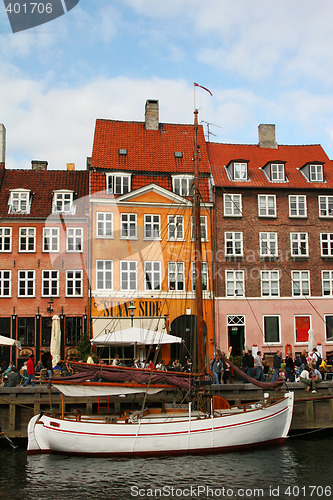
x=207 y=90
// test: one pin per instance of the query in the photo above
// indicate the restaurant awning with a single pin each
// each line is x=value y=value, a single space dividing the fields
x=135 y=336
x=5 y=341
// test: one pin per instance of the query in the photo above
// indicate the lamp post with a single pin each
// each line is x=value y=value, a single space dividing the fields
x=132 y=308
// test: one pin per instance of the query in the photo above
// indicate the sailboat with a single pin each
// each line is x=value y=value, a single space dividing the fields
x=206 y=425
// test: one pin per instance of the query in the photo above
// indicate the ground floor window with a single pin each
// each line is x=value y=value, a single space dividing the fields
x=329 y=327
x=302 y=327
x=26 y=331
x=73 y=330
x=46 y=331
x=272 y=329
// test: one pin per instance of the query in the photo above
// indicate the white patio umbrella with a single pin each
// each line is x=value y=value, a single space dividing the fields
x=6 y=341
x=310 y=341
x=55 y=340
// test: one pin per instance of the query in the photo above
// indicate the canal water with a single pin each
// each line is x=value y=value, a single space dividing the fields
x=302 y=468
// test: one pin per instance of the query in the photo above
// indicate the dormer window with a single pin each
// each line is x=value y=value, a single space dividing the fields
x=316 y=173
x=63 y=202
x=118 y=183
x=277 y=172
x=239 y=171
x=183 y=185
x=19 y=201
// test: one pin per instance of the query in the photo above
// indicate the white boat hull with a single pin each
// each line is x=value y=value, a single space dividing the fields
x=267 y=425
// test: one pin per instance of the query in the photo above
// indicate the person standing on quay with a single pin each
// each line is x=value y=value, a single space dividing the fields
x=30 y=371
x=277 y=365
x=259 y=372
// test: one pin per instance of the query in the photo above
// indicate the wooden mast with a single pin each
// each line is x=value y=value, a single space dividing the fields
x=198 y=251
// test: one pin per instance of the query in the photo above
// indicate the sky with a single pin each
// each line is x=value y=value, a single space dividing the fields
x=265 y=61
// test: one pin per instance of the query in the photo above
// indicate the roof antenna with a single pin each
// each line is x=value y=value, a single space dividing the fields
x=209 y=133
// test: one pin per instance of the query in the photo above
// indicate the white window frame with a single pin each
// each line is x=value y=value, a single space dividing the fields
x=268 y=243
x=203 y=228
x=183 y=185
x=27 y=278
x=5 y=239
x=328 y=334
x=118 y=183
x=63 y=202
x=325 y=206
x=152 y=227
x=104 y=274
x=74 y=239
x=27 y=238
x=128 y=224
x=104 y=225
x=176 y=275
x=266 y=342
x=234 y=283
x=5 y=283
x=232 y=205
x=74 y=281
x=204 y=276
x=272 y=280
x=277 y=172
x=300 y=283
x=51 y=235
x=128 y=275
x=326 y=241
x=316 y=173
x=19 y=201
x=299 y=239
x=175 y=228
x=327 y=282
x=239 y=171
x=295 y=205
x=266 y=205
x=153 y=276
x=233 y=244
x=50 y=283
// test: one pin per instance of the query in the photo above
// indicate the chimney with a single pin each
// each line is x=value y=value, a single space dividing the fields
x=71 y=166
x=151 y=115
x=39 y=166
x=267 y=136
x=2 y=143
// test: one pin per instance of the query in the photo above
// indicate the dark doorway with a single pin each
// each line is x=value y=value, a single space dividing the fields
x=185 y=326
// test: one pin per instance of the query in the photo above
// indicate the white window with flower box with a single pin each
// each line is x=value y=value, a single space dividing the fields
x=5 y=239
x=297 y=205
x=270 y=283
x=27 y=239
x=50 y=283
x=300 y=283
x=299 y=246
x=267 y=205
x=234 y=283
x=232 y=205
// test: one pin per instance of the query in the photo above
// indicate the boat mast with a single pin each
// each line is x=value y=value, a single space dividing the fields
x=198 y=251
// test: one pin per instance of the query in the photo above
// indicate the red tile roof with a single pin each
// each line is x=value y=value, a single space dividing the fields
x=147 y=150
x=42 y=184
x=295 y=157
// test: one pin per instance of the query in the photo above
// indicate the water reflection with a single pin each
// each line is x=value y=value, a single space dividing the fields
x=55 y=477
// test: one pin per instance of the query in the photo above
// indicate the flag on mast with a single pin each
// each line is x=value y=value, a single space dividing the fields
x=207 y=90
